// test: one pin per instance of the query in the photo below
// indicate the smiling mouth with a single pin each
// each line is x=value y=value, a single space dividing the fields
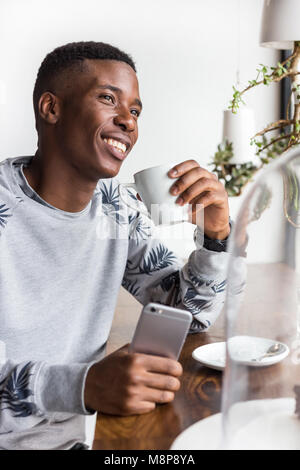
x=116 y=145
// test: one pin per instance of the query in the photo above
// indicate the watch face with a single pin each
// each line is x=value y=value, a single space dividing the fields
x=215 y=245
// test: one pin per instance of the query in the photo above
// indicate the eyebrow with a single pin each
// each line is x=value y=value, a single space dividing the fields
x=118 y=90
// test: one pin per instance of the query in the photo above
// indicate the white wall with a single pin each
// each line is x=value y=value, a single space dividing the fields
x=186 y=52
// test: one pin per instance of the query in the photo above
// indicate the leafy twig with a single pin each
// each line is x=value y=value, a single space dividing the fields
x=273 y=141
x=274 y=126
x=275 y=74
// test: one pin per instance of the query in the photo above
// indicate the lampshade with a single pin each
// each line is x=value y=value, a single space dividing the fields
x=280 y=25
x=238 y=129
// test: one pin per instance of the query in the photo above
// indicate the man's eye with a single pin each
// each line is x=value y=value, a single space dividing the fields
x=135 y=112
x=107 y=98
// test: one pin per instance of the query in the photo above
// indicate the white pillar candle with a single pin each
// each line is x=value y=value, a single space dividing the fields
x=239 y=128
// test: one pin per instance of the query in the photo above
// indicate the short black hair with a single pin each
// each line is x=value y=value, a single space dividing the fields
x=71 y=56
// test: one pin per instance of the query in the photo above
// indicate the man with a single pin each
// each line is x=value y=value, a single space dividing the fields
x=59 y=282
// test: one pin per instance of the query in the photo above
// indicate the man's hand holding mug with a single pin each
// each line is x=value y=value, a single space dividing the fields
x=197 y=186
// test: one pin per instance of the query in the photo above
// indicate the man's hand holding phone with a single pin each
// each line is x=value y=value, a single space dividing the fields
x=136 y=377
x=125 y=383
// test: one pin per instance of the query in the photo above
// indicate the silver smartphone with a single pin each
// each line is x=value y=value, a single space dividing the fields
x=161 y=331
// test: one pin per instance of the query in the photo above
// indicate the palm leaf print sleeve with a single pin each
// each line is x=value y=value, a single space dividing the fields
x=155 y=274
x=32 y=391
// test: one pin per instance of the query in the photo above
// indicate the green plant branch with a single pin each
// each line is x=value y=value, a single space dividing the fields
x=273 y=141
x=289 y=58
x=288 y=105
x=237 y=96
x=284 y=69
x=236 y=177
x=281 y=123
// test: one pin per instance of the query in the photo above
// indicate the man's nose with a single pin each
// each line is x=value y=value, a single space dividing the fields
x=125 y=120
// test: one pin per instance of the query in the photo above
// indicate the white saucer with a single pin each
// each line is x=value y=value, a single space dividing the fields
x=259 y=424
x=243 y=349
x=212 y=355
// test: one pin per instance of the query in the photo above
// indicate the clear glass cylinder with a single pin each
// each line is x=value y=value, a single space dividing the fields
x=263 y=314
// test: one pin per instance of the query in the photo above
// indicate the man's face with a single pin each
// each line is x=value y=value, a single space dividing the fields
x=98 y=119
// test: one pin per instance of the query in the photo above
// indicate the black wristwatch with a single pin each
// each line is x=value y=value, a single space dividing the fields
x=215 y=244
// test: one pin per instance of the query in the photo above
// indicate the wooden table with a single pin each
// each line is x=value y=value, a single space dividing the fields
x=268 y=293
x=198 y=397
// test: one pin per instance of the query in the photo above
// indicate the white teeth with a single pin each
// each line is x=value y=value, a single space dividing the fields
x=116 y=144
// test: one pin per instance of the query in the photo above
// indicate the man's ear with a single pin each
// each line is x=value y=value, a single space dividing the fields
x=49 y=108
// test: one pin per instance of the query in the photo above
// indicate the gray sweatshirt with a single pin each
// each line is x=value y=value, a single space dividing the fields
x=60 y=275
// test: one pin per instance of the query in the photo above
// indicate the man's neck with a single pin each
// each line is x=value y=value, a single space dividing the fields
x=59 y=184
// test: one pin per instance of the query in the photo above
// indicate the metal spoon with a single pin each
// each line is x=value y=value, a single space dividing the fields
x=276 y=348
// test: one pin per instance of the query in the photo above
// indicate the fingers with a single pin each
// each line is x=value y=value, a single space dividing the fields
x=153 y=395
x=142 y=398
x=161 y=382
x=133 y=383
x=207 y=199
x=130 y=408
x=189 y=177
x=139 y=398
x=182 y=168
x=200 y=187
x=154 y=379
x=145 y=405
x=185 y=167
x=192 y=183
x=159 y=364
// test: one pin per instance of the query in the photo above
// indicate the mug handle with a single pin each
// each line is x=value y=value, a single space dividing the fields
x=130 y=185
